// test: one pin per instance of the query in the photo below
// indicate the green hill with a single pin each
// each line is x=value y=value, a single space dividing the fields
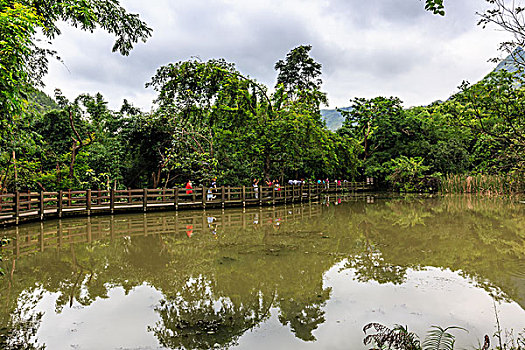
x=40 y=102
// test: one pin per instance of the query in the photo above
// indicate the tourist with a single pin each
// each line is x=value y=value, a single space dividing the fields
x=255 y=185
x=189 y=187
x=213 y=185
x=209 y=195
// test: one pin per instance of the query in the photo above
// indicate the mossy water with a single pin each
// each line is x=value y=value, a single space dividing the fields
x=297 y=276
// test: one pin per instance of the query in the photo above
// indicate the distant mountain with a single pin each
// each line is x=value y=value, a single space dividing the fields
x=513 y=62
x=334 y=120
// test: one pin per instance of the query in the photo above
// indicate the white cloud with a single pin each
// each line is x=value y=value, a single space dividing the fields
x=367 y=48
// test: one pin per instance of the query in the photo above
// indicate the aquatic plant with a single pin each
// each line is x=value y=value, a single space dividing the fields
x=438 y=338
x=484 y=184
x=399 y=338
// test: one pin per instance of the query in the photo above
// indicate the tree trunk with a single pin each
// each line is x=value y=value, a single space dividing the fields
x=16 y=171
x=74 y=151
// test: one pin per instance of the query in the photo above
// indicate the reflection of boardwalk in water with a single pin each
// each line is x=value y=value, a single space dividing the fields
x=55 y=234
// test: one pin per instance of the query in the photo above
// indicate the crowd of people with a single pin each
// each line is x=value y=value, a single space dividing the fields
x=275 y=184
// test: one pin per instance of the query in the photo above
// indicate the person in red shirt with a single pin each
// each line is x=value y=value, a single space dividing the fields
x=189 y=187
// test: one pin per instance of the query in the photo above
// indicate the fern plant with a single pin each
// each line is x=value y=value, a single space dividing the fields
x=399 y=338
x=440 y=339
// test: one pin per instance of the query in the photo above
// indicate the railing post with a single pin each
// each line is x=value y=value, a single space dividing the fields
x=204 y=197
x=89 y=231
x=41 y=237
x=60 y=204
x=273 y=195
x=309 y=192
x=88 y=202
x=261 y=193
x=145 y=199
x=41 y=203
x=223 y=195
x=112 y=200
x=302 y=187
x=293 y=193
x=243 y=196
x=176 y=198
x=17 y=207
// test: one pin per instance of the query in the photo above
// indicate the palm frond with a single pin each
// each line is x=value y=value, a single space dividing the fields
x=440 y=339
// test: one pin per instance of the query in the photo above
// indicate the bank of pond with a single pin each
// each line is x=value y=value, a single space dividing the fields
x=295 y=276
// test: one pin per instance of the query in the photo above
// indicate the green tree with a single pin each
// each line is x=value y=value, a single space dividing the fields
x=18 y=24
x=212 y=110
x=300 y=76
x=493 y=112
x=23 y=63
x=369 y=120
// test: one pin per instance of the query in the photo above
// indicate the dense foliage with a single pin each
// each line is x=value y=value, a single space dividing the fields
x=212 y=121
x=480 y=130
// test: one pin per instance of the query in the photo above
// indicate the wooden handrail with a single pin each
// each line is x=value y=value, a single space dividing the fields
x=39 y=205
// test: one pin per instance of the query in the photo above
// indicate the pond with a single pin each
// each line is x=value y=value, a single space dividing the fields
x=288 y=277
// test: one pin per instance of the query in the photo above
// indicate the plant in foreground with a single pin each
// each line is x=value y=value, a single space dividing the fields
x=399 y=338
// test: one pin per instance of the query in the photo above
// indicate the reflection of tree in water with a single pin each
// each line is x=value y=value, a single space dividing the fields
x=23 y=324
x=370 y=264
x=304 y=316
x=196 y=319
x=373 y=267
x=243 y=269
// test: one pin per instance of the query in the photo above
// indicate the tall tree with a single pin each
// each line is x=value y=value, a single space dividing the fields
x=494 y=111
x=299 y=74
x=299 y=71
x=23 y=62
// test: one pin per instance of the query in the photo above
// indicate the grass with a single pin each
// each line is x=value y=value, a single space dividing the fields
x=490 y=185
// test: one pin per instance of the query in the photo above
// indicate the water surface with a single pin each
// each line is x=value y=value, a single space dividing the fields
x=289 y=277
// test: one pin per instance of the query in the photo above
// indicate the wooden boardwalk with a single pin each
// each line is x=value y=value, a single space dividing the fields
x=21 y=207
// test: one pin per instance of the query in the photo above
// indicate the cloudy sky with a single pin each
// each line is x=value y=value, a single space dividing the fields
x=367 y=47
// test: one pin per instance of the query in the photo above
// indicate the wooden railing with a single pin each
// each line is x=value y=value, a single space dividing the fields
x=24 y=206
